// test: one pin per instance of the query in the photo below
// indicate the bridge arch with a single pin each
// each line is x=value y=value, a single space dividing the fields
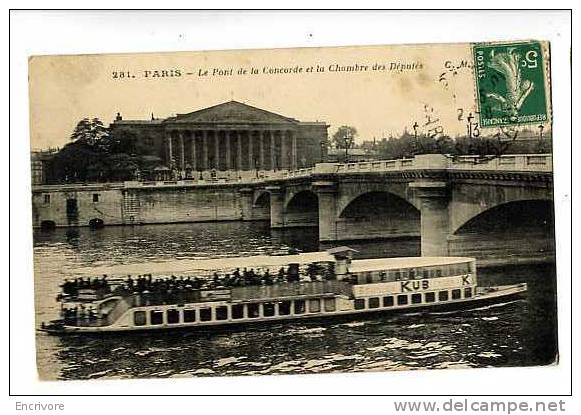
x=378 y=214
x=302 y=208
x=299 y=198
x=348 y=192
x=504 y=216
x=261 y=199
x=515 y=229
x=469 y=202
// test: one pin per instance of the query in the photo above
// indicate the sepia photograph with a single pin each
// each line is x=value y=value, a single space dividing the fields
x=293 y=211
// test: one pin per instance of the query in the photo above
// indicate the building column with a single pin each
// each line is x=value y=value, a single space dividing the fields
x=272 y=150
x=251 y=163
x=228 y=149
x=169 y=151
x=434 y=217
x=293 y=150
x=216 y=150
x=327 y=195
x=182 y=158
x=193 y=154
x=283 y=150
x=261 y=310
x=276 y=206
x=205 y=150
x=261 y=148
x=239 y=150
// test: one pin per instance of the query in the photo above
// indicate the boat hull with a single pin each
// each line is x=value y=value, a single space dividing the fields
x=499 y=295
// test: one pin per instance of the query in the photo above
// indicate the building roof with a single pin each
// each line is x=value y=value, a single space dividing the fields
x=341 y=250
x=201 y=266
x=138 y=122
x=366 y=265
x=230 y=112
x=234 y=112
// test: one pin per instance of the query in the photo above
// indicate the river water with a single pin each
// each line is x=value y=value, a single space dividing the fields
x=519 y=333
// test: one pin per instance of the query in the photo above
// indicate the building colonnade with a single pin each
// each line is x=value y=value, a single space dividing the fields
x=231 y=149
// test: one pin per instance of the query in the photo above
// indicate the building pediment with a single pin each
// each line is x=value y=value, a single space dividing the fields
x=232 y=112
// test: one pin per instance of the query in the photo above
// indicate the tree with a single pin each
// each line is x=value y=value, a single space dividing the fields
x=96 y=154
x=84 y=158
x=344 y=137
x=121 y=141
x=89 y=131
x=73 y=162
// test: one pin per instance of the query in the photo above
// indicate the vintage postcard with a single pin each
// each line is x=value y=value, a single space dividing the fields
x=312 y=210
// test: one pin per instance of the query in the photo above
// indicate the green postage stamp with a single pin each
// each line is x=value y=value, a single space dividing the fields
x=510 y=83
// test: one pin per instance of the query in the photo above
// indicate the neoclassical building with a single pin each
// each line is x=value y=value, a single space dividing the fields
x=230 y=136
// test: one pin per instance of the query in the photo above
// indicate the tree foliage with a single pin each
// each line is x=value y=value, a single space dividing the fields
x=407 y=145
x=89 y=131
x=94 y=154
x=344 y=137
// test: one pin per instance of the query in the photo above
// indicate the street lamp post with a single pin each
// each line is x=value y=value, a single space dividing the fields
x=415 y=146
x=348 y=143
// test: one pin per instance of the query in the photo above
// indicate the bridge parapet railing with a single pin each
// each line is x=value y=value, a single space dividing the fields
x=434 y=161
x=297 y=173
x=509 y=162
x=73 y=187
x=518 y=162
x=206 y=179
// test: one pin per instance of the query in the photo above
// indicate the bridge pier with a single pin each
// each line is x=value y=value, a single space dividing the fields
x=276 y=206
x=246 y=196
x=326 y=192
x=434 y=217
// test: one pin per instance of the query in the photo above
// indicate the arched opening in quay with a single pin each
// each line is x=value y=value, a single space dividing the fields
x=47 y=225
x=96 y=223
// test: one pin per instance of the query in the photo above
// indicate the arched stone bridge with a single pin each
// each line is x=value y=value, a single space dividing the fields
x=430 y=196
x=448 y=203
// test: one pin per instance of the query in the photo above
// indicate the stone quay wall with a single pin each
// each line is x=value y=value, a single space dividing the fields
x=134 y=203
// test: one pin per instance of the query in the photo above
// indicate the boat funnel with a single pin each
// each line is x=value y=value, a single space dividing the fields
x=343 y=256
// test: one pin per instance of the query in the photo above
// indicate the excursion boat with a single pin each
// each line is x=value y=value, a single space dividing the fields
x=319 y=285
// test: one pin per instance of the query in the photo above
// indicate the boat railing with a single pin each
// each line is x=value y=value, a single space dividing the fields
x=193 y=295
x=248 y=292
x=169 y=297
x=293 y=289
x=126 y=300
x=97 y=295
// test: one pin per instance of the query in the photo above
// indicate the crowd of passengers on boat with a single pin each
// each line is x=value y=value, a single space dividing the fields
x=170 y=286
x=146 y=290
x=146 y=283
x=171 y=290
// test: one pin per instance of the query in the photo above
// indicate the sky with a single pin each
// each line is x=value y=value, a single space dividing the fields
x=376 y=96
